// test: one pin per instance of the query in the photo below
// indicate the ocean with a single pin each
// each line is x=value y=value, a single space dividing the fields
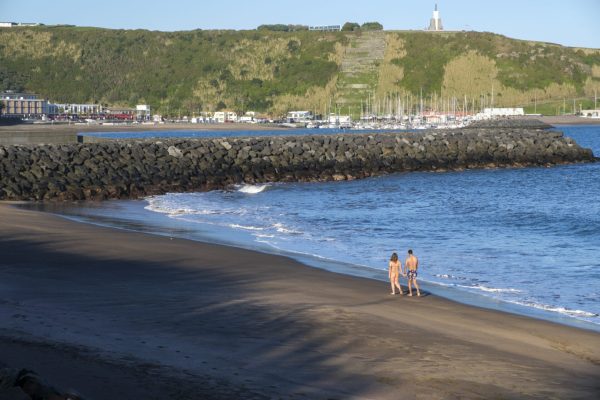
x=524 y=240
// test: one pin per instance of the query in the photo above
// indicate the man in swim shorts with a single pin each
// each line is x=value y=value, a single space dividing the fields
x=412 y=265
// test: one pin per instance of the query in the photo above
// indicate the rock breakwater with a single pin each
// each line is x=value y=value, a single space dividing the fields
x=130 y=169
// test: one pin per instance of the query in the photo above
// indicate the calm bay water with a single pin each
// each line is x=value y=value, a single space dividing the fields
x=521 y=240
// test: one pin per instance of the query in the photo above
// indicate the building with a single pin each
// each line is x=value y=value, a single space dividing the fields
x=121 y=113
x=327 y=28
x=435 y=23
x=143 y=112
x=590 y=113
x=225 y=116
x=79 y=109
x=248 y=118
x=23 y=105
x=339 y=121
x=490 y=113
x=11 y=24
x=299 y=116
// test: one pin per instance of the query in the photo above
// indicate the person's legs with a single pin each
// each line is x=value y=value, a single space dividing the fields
x=398 y=284
x=392 y=278
x=417 y=287
x=410 y=285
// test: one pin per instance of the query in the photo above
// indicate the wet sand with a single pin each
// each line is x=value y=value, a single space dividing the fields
x=119 y=314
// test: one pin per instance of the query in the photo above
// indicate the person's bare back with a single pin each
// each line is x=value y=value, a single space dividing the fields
x=412 y=265
x=412 y=262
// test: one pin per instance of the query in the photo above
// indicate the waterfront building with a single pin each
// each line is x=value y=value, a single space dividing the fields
x=339 y=121
x=590 y=113
x=79 y=109
x=123 y=113
x=326 y=28
x=23 y=105
x=490 y=113
x=143 y=112
x=52 y=109
x=249 y=117
x=225 y=116
x=299 y=116
x=435 y=23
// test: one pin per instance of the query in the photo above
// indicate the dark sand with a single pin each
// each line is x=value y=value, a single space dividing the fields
x=123 y=315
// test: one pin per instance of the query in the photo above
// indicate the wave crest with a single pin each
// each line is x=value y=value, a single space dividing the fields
x=252 y=189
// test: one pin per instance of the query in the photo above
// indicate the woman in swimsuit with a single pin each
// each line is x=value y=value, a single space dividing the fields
x=394 y=266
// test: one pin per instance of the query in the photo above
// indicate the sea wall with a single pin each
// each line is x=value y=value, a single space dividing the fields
x=129 y=169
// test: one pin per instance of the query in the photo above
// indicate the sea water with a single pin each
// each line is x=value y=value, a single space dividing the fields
x=522 y=240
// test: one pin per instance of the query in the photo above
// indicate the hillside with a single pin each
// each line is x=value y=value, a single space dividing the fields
x=187 y=72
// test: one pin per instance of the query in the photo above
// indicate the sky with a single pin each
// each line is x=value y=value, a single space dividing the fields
x=566 y=22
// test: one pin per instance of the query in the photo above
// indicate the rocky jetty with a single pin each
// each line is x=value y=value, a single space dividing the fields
x=130 y=169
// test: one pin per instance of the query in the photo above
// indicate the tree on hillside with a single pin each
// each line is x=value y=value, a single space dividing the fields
x=282 y=28
x=296 y=28
x=372 y=26
x=350 y=27
x=274 y=28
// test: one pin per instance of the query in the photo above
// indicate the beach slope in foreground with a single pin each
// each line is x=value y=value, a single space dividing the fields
x=119 y=314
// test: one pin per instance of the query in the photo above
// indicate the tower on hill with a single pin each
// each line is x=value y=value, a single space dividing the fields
x=435 y=23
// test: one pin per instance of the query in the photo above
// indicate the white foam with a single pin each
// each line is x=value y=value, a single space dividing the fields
x=558 y=309
x=247 y=228
x=176 y=211
x=263 y=235
x=282 y=229
x=252 y=189
x=449 y=276
x=495 y=290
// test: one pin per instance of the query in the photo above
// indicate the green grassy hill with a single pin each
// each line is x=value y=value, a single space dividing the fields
x=187 y=72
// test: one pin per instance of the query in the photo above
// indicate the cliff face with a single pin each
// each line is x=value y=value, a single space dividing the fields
x=129 y=169
x=183 y=73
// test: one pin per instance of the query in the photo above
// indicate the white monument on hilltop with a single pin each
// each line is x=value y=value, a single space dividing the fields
x=435 y=24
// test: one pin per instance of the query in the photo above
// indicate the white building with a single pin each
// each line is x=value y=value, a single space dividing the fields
x=590 y=113
x=299 y=116
x=248 y=118
x=83 y=109
x=143 y=112
x=11 y=24
x=221 y=117
x=341 y=121
x=435 y=23
x=490 y=113
x=327 y=28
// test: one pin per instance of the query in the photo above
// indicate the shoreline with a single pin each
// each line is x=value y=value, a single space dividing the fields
x=262 y=325
x=453 y=294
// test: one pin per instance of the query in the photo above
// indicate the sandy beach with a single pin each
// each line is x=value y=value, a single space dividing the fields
x=123 y=315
